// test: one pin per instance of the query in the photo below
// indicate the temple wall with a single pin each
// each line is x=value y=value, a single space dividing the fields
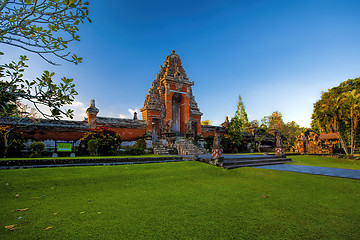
x=129 y=134
x=42 y=135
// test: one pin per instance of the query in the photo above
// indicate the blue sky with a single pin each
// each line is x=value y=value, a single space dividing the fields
x=278 y=55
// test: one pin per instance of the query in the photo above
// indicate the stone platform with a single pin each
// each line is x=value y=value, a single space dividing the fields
x=236 y=161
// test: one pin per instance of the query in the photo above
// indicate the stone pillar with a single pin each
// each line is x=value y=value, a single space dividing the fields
x=91 y=112
x=217 y=151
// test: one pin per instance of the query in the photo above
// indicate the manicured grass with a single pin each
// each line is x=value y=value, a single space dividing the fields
x=90 y=157
x=180 y=200
x=320 y=161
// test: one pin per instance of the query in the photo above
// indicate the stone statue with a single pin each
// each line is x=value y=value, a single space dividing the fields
x=169 y=126
x=216 y=142
x=188 y=127
x=279 y=142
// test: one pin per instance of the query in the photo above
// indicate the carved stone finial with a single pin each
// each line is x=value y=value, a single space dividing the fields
x=92 y=111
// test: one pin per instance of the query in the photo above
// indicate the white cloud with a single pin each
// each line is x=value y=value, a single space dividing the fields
x=79 y=110
x=131 y=115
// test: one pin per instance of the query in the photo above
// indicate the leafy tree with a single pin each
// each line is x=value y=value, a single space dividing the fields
x=241 y=113
x=206 y=122
x=338 y=111
x=289 y=130
x=276 y=121
x=11 y=142
x=43 y=27
x=107 y=141
x=41 y=91
x=352 y=111
x=237 y=124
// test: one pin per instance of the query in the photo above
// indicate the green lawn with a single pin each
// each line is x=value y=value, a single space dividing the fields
x=182 y=200
x=320 y=161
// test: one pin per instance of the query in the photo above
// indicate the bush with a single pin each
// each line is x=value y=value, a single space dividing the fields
x=15 y=142
x=173 y=151
x=37 y=148
x=141 y=143
x=93 y=146
x=137 y=151
x=108 y=141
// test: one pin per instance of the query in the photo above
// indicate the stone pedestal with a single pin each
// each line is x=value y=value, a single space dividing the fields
x=279 y=151
x=216 y=157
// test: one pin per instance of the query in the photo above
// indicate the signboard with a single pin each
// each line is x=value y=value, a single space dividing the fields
x=64 y=147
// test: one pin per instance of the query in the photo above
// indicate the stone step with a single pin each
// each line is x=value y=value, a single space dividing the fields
x=228 y=164
x=253 y=164
x=256 y=160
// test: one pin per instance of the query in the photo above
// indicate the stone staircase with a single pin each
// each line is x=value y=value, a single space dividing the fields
x=160 y=149
x=254 y=161
x=185 y=147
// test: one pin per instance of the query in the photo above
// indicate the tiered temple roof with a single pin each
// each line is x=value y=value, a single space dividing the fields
x=171 y=71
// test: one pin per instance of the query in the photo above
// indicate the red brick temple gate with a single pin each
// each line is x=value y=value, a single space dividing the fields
x=170 y=108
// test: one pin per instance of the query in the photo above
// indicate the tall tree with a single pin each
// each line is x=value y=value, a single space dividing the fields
x=352 y=110
x=43 y=27
x=237 y=124
x=46 y=28
x=241 y=114
x=337 y=111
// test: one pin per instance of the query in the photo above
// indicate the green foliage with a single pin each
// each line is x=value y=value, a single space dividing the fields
x=43 y=27
x=206 y=122
x=137 y=151
x=141 y=143
x=93 y=145
x=108 y=141
x=338 y=111
x=41 y=91
x=15 y=142
x=234 y=139
x=37 y=148
x=209 y=142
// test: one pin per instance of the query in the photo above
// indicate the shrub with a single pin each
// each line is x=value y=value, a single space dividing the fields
x=141 y=143
x=37 y=148
x=173 y=151
x=93 y=146
x=137 y=151
x=108 y=141
x=15 y=142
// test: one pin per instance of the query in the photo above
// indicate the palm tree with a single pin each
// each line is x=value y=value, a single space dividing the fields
x=352 y=102
x=327 y=113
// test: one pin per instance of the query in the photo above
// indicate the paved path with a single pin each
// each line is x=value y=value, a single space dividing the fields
x=333 y=172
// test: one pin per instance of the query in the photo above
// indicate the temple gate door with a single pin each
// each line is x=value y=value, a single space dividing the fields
x=194 y=129
x=176 y=100
x=155 y=130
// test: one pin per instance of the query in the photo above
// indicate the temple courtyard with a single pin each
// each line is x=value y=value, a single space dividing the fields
x=180 y=200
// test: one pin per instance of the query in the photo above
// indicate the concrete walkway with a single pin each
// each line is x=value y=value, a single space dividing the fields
x=326 y=171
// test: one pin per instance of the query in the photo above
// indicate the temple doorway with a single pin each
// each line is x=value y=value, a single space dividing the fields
x=176 y=100
x=155 y=130
x=194 y=129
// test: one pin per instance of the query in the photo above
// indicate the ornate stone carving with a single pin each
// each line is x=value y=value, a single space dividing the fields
x=171 y=76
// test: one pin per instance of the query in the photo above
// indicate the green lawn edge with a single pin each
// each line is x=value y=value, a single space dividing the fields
x=89 y=157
